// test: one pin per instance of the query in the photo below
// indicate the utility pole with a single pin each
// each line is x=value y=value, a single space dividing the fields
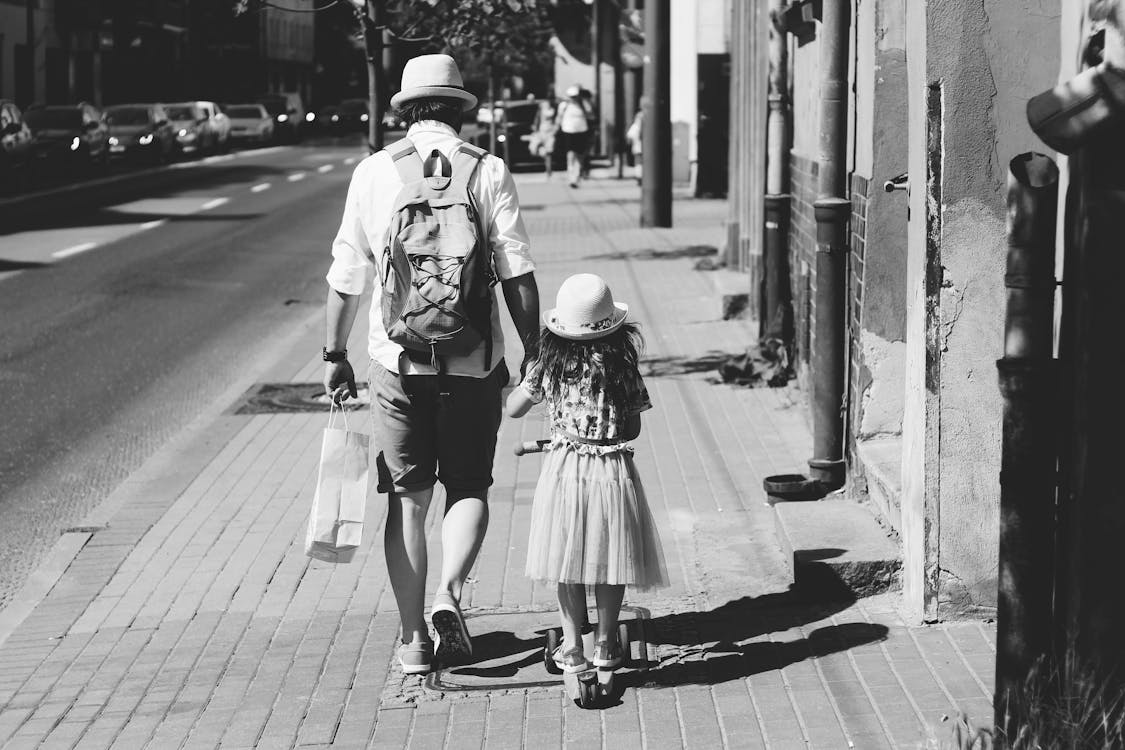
x=30 y=47
x=596 y=62
x=373 y=23
x=613 y=28
x=656 y=150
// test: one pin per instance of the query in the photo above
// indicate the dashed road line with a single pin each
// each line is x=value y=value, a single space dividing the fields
x=154 y=223
x=324 y=168
x=350 y=160
x=296 y=176
x=213 y=203
x=260 y=187
x=74 y=250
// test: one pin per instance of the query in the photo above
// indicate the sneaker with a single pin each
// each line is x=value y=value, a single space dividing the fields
x=453 y=641
x=607 y=656
x=416 y=657
x=570 y=660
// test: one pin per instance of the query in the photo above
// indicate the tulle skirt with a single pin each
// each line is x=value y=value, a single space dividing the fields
x=590 y=522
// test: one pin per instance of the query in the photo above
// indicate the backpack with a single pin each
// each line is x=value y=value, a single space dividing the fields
x=437 y=264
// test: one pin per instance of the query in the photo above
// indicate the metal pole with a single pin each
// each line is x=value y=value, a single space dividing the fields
x=832 y=209
x=737 y=137
x=373 y=44
x=614 y=30
x=596 y=62
x=29 y=20
x=656 y=182
x=1028 y=461
x=775 y=317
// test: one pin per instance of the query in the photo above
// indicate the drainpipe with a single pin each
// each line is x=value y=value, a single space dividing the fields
x=774 y=319
x=832 y=209
x=1029 y=386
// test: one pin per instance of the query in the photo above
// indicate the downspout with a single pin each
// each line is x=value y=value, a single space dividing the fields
x=832 y=209
x=775 y=316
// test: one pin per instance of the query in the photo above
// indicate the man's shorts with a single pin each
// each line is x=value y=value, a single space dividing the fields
x=423 y=437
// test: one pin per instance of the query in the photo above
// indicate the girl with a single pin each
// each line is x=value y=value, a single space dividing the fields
x=590 y=522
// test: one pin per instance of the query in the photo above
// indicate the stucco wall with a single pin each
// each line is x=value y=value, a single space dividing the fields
x=988 y=57
x=806 y=97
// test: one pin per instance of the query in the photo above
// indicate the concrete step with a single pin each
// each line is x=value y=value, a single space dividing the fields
x=882 y=467
x=732 y=294
x=836 y=549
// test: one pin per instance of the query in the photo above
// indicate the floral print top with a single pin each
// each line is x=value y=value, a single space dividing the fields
x=583 y=410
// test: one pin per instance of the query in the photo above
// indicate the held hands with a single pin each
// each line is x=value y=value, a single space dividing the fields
x=339 y=381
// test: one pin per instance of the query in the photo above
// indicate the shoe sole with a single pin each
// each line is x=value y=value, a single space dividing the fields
x=415 y=668
x=603 y=664
x=454 y=642
x=573 y=670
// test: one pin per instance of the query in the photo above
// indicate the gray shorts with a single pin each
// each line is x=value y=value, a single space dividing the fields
x=422 y=437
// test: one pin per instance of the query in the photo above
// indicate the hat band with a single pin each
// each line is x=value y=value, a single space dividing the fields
x=597 y=325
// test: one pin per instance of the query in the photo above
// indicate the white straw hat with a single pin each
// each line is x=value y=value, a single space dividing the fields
x=428 y=76
x=584 y=309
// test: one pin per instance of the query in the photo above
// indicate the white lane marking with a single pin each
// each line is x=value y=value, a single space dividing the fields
x=350 y=160
x=216 y=159
x=154 y=223
x=213 y=203
x=296 y=176
x=260 y=187
x=74 y=250
x=324 y=168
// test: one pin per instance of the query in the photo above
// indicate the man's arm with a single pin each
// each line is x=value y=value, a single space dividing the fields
x=339 y=378
x=522 y=297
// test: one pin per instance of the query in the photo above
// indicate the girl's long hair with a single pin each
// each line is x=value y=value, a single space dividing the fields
x=611 y=359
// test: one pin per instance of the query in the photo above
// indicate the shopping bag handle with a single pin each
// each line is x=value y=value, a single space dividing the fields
x=334 y=409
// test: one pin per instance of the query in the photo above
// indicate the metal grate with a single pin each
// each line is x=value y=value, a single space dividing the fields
x=292 y=398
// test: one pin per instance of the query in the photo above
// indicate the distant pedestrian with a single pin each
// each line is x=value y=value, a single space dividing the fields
x=590 y=521
x=543 y=133
x=574 y=128
x=634 y=136
x=435 y=339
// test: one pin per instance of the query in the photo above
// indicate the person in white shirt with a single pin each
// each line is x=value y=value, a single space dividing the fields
x=573 y=120
x=424 y=433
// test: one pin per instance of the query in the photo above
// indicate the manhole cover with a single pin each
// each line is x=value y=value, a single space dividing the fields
x=292 y=398
x=508 y=652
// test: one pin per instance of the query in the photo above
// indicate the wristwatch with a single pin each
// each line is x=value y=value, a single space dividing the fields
x=338 y=356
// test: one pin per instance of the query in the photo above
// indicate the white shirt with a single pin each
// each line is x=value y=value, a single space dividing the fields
x=363 y=232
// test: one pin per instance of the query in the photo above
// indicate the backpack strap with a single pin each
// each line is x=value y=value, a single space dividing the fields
x=409 y=170
x=466 y=159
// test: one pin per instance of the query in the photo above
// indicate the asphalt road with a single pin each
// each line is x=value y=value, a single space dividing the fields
x=120 y=325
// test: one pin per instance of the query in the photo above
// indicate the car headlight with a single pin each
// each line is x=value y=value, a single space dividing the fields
x=74 y=144
x=183 y=132
x=283 y=118
x=310 y=116
x=364 y=118
x=501 y=138
x=145 y=139
x=335 y=118
x=113 y=140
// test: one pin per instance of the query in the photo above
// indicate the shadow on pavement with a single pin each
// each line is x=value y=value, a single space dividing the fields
x=660 y=367
x=716 y=646
x=688 y=251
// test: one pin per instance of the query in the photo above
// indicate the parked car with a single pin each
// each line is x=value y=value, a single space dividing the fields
x=326 y=120
x=249 y=123
x=515 y=121
x=69 y=136
x=140 y=131
x=200 y=127
x=17 y=148
x=288 y=114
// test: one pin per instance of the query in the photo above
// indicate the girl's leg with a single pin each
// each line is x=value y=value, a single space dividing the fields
x=572 y=609
x=609 y=597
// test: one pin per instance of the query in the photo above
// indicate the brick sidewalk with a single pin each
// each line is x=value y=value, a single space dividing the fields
x=186 y=614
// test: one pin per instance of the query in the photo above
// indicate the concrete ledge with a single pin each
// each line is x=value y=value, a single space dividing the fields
x=732 y=289
x=882 y=468
x=836 y=548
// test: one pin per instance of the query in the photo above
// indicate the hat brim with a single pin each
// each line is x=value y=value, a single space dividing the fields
x=429 y=92
x=550 y=319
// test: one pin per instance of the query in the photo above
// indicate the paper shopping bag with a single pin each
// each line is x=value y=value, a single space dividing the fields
x=336 y=521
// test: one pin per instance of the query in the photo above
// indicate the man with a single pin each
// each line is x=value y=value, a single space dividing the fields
x=429 y=426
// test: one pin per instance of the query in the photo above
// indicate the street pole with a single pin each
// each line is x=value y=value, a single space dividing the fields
x=775 y=317
x=373 y=44
x=30 y=47
x=614 y=30
x=656 y=151
x=596 y=61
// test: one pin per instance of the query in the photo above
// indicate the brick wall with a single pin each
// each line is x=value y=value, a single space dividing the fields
x=858 y=244
x=802 y=255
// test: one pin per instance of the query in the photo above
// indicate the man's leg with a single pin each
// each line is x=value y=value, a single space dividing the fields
x=404 y=544
x=462 y=531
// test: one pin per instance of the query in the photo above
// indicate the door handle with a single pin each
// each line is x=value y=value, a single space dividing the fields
x=899 y=182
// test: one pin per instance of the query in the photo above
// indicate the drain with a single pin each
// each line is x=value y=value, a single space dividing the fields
x=292 y=398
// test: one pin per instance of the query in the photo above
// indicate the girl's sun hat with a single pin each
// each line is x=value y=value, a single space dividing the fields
x=584 y=309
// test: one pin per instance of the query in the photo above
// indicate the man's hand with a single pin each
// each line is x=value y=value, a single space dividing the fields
x=339 y=381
